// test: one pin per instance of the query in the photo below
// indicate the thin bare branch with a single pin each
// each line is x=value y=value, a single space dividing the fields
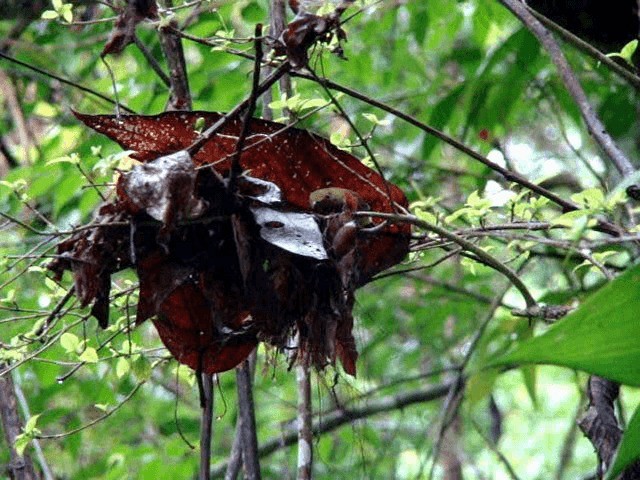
x=345 y=416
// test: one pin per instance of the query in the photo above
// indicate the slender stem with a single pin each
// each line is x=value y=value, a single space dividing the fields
x=215 y=128
x=236 y=168
x=206 y=427
x=482 y=255
x=346 y=416
x=63 y=80
x=305 y=430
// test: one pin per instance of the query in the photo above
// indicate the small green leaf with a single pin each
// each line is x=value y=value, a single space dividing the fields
x=49 y=15
x=375 y=120
x=629 y=49
x=600 y=337
x=57 y=4
x=592 y=198
x=21 y=443
x=102 y=406
x=31 y=424
x=74 y=159
x=199 y=124
x=67 y=12
x=90 y=355
x=626 y=53
x=69 y=342
x=122 y=367
x=570 y=219
x=629 y=448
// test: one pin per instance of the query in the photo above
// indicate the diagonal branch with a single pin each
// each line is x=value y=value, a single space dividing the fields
x=594 y=124
x=180 y=96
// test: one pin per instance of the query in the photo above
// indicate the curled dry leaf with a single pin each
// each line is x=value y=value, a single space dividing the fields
x=221 y=270
x=306 y=29
x=124 y=29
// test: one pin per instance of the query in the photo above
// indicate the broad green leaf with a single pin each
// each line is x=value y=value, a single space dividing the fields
x=629 y=448
x=600 y=337
x=90 y=355
x=480 y=385
x=529 y=374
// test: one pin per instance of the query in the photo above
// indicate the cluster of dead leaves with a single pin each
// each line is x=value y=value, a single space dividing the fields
x=274 y=257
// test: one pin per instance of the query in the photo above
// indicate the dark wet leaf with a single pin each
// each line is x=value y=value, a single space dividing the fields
x=163 y=188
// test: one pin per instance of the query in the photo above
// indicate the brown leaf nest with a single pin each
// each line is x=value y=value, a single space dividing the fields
x=272 y=255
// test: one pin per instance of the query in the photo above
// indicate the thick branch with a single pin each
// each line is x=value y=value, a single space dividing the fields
x=247 y=422
x=21 y=466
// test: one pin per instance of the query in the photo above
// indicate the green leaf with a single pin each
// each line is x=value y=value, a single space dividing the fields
x=480 y=385
x=67 y=12
x=31 y=424
x=57 y=4
x=74 y=159
x=375 y=120
x=122 y=367
x=90 y=355
x=629 y=448
x=590 y=198
x=570 y=219
x=49 y=15
x=626 y=53
x=142 y=368
x=600 y=337
x=69 y=342
x=21 y=443
x=529 y=375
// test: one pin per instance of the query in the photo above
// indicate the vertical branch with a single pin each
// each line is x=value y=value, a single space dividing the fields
x=236 y=168
x=305 y=431
x=206 y=425
x=303 y=378
x=278 y=23
x=180 y=97
x=247 y=421
x=21 y=466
